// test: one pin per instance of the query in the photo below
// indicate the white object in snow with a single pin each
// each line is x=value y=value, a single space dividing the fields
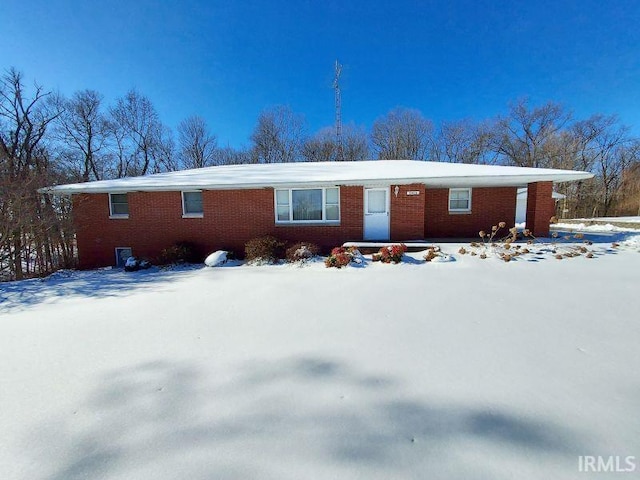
x=358 y=258
x=216 y=259
x=443 y=257
x=131 y=262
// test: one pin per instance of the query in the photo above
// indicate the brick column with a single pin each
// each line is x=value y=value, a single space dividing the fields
x=540 y=207
x=407 y=212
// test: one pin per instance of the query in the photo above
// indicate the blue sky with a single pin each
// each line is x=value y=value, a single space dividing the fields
x=229 y=60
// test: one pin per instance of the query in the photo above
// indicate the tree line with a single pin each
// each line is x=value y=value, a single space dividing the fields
x=47 y=138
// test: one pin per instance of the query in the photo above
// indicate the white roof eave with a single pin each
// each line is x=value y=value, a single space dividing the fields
x=318 y=175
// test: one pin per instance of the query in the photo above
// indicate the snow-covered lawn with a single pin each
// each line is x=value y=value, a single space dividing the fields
x=600 y=224
x=473 y=369
x=612 y=219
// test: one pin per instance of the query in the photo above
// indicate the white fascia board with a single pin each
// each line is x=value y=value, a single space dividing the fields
x=500 y=181
x=177 y=182
x=72 y=189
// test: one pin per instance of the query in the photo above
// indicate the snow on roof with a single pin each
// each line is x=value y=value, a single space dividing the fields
x=372 y=172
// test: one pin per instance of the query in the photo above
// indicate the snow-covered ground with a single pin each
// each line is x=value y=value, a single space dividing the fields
x=472 y=369
x=599 y=225
x=612 y=219
x=593 y=228
x=594 y=225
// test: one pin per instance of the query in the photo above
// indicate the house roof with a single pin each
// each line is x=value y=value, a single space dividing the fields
x=304 y=174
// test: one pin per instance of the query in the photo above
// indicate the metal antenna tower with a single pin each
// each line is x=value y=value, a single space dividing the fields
x=336 y=87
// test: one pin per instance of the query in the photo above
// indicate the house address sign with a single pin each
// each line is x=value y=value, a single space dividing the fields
x=413 y=192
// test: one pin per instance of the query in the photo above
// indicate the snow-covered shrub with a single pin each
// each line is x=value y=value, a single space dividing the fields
x=431 y=254
x=499 y=243
x=499 y=233
x=302 y=251
x=504 y=247
x=180 y=252
x=216 y=259
x=390 y=254
x=559 y=250
x=434 y=254
x=266 y=249
x=343 y=256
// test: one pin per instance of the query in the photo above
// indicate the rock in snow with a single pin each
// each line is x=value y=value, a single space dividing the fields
x=216 y=259
x=443 y=257
x=131 y=262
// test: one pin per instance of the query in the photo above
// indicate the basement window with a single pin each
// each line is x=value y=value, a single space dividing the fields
x=122 y=253
x=459 y=199
x=192 y=205
x=307 y=205
x=118 y=205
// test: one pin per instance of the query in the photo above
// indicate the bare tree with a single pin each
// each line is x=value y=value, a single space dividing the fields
x=197 y=145
x=629 y=201
x=164 y=154
x=355 y=143
x=84 y=133
x=278 y=136
x=322 y=147
x=30 y=232
x=232 y=156
x=24 y=122
x=523 y=135
x=137 y=132
x=403 y=134
x=467 y=142
x=602 y=147
x=611 y=162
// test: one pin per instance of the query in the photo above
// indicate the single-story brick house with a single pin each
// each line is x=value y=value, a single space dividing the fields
x=327 y=203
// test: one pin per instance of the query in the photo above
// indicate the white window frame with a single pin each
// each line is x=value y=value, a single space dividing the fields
x=291 y=221
x=184 y=212
x=468 y=209
x=118 y=215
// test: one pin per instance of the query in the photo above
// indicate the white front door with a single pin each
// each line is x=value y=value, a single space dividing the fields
x=376 y=214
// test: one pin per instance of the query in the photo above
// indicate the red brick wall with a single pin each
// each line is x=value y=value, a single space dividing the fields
x=540 y=207
x=488 y=207
x=231 y=217
x=407 y=213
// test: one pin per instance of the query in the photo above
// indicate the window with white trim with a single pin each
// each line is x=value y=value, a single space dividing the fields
x=192 y=204
x=307 y=205
x=118 y=205
x=459 y=199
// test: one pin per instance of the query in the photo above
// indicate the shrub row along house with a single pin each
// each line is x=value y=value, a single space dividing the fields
x=326 y=202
